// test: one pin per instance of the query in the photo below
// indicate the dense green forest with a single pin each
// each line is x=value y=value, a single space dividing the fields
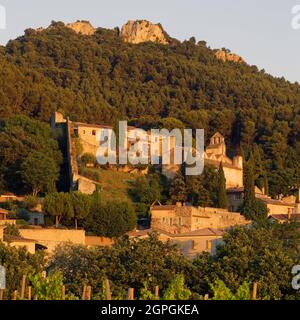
x=100 y=79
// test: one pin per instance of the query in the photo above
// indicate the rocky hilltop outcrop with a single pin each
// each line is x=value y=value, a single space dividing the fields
x=143 y=31
x=228 y=56
x=82 y=27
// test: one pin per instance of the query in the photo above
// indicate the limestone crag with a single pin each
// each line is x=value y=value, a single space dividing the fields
x=82 y=27
x=227 y=56
x=143 y=31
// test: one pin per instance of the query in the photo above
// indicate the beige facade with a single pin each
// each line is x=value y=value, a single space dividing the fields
x=19 y=243
x=93 y=241
x=50 y=238
x=1 y=233
x=288 y=205
x=184 y=219
x=190 y=244
x=214 y=155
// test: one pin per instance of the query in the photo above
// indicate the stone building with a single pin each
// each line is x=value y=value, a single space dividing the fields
x=214 y=154
x=49 y=238
x=286 y=205
x=190 y=243
x=177 y=219
x=93 y=139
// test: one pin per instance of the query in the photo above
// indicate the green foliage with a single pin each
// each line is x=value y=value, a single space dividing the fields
x=177 y=289
x=137 y=263
x=259 y=254
x=81 y=206
x=39 y=172
x=54 y=205
x=145 y=293
x=66 y=207
x=88 y=158
x=102 y=79
x=252 y=209
x=112 y=219
x=91 y=173
x=178 y=190
x=79 y=266
x=203 y=189
x=30 y=202
x=147 y=189
x=19 y=262
x=222 y=196
x=11 y=231
x=27 y=144
x=221 y=292
x=47 y=288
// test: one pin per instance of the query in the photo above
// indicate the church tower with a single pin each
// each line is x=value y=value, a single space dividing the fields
x=217 y=145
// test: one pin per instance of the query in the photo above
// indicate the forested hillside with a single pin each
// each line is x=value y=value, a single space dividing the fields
x=100 y=79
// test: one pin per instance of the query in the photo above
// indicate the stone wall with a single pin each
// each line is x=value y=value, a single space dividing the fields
x=233 y=176
x=50 y=238
x=215 y=218
x=179 y=220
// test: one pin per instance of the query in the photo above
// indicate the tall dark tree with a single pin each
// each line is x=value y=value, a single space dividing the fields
x=253 y=208
x=178 y=190
x=222 y=196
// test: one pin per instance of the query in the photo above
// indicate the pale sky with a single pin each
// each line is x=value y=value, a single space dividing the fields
x=258 y=30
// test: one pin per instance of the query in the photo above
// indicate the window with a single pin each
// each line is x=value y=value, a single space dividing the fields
x=94 y=132
x=237 y=196
x=208 y=244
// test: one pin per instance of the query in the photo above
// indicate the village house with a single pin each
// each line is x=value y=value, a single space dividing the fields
x=283 y=218
x=36 y=218
x=177 y=219
x=190 y=243
x=49 y=238
x=5 y=217
x=286 y=205
x=193 y=229
x=19 y=242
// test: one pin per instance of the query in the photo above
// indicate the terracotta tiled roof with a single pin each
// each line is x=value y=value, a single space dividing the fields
x=168 y=207
x=19 y=239
x=262 y=197
x=196 y=233
x=282 y=217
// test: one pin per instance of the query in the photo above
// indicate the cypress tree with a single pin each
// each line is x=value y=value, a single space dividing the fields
x=222 y=196
x=178 y=189
x=253 y=209
x=249 y=181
